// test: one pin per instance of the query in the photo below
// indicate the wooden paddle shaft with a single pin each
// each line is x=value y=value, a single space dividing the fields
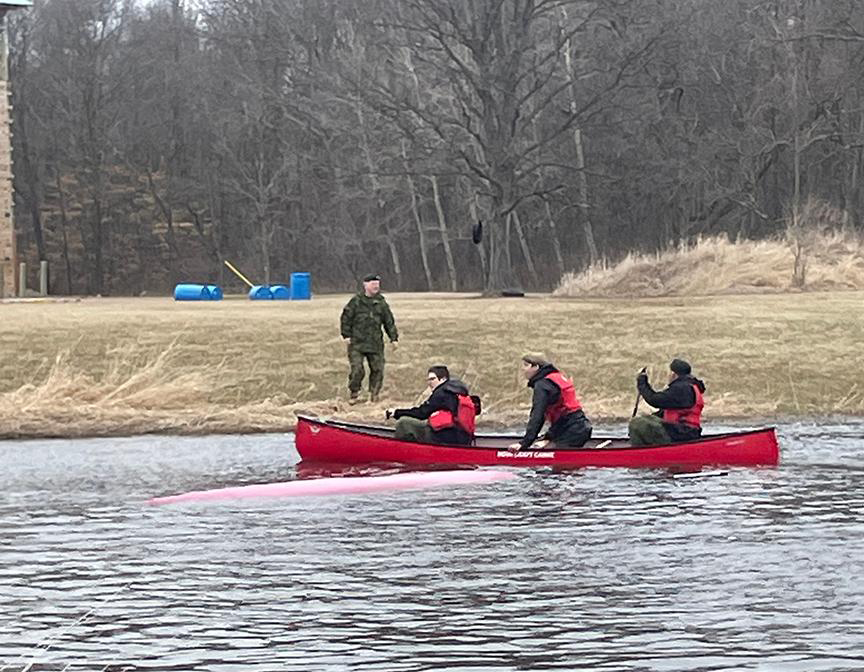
x=638 y=396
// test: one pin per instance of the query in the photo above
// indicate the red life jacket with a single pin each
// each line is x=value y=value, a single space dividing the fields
x=692 y=417
x=567 y=400
x=466 y=413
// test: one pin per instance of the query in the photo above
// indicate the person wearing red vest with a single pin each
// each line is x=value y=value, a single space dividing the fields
x=446 y=417
x=554 y=400
x=679 y=417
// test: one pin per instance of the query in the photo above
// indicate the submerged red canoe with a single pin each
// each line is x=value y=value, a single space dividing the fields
x=331 y=441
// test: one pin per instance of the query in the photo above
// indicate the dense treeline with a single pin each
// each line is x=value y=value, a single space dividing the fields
x=153 y=140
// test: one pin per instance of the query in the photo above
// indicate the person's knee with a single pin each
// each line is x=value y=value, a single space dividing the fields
x=636 y=430
x=403 y=428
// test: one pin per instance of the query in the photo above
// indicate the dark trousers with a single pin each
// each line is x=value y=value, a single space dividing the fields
x=574 y=436
x=358 y=371
x=412 y=429
x=648 y=430
x=571 y=431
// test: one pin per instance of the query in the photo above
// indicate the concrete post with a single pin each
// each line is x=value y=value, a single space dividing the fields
x=22 y=279
x=43 y=278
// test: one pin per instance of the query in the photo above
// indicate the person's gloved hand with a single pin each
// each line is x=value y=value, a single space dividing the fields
x=643 y=376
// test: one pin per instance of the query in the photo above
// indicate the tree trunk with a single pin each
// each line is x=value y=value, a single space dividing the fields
x=499 y=275
x=63 y=228
x=165 y=209
x=445 y=238
x=497 y=233
x=216 y=228
x=418 y=221
x=526 y=251
x=97 y=271
x=473 y=209
x=394 y=256
x=584 y=207
x=34 y=189
x=580 y=154
x=265 y=247
x=855 y=195
x=508 y=259
x=556 y=244
x=378 y=198
x=553 y=230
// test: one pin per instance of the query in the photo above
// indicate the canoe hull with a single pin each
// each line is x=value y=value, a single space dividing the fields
x=327 y=441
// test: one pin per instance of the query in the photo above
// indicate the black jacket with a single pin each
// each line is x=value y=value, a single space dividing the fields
x=443 y=398
x=547 y=393
x=679 y=394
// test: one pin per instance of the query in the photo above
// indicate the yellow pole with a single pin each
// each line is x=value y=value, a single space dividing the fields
x=238 y=273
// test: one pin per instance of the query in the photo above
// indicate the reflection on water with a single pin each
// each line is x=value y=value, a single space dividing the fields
x=599 y=569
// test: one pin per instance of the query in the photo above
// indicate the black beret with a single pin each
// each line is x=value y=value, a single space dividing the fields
x=371 y=277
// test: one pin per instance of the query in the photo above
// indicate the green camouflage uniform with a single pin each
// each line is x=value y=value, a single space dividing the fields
x=362 y=320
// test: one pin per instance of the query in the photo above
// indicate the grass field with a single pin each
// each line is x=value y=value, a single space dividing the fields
x=135 y=365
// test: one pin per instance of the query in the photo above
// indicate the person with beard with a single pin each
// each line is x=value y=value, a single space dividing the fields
x=554 y=400
x=679 y=417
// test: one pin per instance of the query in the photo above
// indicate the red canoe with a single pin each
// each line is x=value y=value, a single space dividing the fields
x=329 y=441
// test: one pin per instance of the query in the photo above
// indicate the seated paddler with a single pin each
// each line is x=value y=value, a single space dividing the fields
x=679 y=414
x=554 y=401
x=446 y=417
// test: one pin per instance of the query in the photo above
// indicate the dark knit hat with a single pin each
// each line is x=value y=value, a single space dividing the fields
x=680 y=367
x=371 y=277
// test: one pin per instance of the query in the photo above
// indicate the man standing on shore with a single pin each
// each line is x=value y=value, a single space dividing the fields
x=362 y=320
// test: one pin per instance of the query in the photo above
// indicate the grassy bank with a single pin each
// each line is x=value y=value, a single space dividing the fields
x=826 y=261
x=121 y=366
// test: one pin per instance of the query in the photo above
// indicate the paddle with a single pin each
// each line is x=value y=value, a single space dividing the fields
x=638 y=396
x=238 y=273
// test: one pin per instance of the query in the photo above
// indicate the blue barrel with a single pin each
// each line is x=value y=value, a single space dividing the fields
x=215 y=292
x=280 y=292
x=301 y=286
x=260 y=293
x=189 y=292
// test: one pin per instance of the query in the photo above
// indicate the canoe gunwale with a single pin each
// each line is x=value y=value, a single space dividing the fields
x=382 y=432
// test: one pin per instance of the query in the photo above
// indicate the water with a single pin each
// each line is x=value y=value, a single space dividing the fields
x=601 y=569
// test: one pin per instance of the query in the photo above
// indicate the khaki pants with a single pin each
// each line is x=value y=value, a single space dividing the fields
x=648 y=430
x=358 y=371
x=412 y=429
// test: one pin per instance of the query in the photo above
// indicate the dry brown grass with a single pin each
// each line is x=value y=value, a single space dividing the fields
x=834 y=260
x=125 y=366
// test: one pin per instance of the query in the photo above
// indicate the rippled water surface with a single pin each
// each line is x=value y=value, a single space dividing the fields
x=600 y=569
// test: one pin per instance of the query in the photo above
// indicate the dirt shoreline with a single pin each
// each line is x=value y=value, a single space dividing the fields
x=493 y=428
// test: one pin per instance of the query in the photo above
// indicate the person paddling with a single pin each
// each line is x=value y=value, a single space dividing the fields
x=554 y=401
x=680 y=415
x=446 y=417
